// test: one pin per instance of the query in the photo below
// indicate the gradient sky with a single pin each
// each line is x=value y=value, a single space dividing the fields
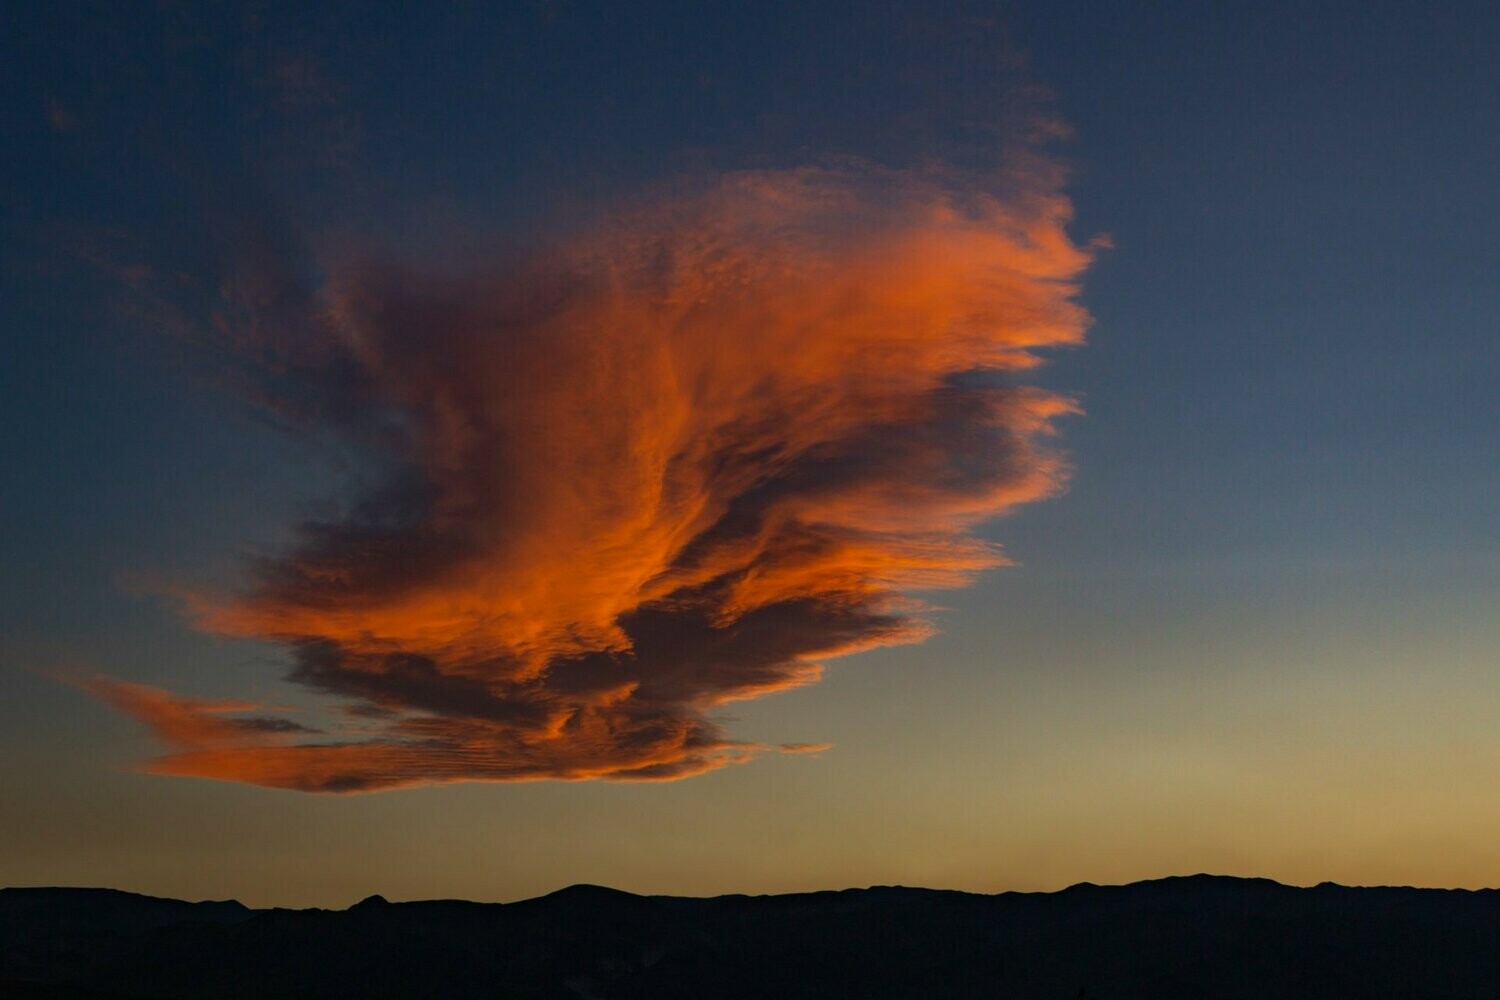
x=1256 y=635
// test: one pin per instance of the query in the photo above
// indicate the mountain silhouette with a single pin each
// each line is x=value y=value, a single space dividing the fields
x=1202 y=937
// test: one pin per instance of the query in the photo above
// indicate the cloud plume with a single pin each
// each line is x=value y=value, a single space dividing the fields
x=679 y=459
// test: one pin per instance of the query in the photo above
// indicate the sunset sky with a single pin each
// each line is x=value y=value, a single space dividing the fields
x=748 y=448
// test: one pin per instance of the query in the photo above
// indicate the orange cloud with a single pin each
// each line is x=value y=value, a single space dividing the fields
x=192 y=724
x=680 y=460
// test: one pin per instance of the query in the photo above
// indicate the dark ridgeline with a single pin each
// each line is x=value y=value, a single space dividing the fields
x=1197 y=937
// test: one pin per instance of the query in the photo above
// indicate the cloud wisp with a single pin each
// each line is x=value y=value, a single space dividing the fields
x=680 y=459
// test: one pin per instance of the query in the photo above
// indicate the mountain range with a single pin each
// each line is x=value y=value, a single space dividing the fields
x=1202 y=937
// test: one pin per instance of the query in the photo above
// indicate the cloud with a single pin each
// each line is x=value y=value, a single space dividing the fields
x=676 y=460
x=191 y=724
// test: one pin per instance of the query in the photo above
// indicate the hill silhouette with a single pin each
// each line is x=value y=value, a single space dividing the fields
x=1188 y=937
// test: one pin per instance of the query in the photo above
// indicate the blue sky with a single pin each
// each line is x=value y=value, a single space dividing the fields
x=1256 y=635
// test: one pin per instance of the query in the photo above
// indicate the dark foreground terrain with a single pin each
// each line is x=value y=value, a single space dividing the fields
x=1199 y=937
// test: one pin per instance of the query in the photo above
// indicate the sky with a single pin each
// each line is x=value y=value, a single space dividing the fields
x=466 y=451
